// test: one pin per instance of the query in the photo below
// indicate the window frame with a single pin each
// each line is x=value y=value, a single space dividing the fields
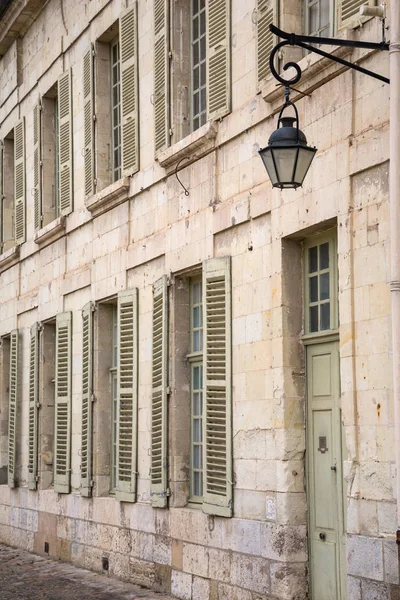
x=316 y=241
x=202 y=115
x=332 y=30
x=115 y=170
x=114 y=400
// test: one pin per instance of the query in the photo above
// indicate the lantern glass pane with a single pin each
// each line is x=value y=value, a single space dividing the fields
x=285 y=161
x=303 y=164
x=269 y=165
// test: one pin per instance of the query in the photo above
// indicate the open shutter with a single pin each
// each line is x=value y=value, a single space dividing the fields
x=218 y=58
x=12 y=409
x=217 y=420
x=159 y=470
x=349 y=12
x=62 y=444
x=33 y=407
x=19 y=181
x=161 y=74
x=37 y=166
x=129 y=91
x=65 y=141
x=87 y=397
x=267 y=14
x=88 y=109
x=127 y=377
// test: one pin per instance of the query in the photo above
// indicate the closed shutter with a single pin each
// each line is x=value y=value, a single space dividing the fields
x=159 y=470
x=65 y=141
x=349 y=12
x=217 y=420
x=62 y=444
x=37 y=166
x=218 y=59
x=161 y=74
x=12 y=409
x=129 y=91
x=127 y=377
x=19 y=181
x=267 y=14
x=33 y=407
x=88 y=109
x=87 y=396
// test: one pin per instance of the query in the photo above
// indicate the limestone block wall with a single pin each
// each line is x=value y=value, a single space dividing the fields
x=261 y=553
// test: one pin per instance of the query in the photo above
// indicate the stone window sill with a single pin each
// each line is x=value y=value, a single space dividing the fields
x=9 y=258
x=192 y=146
x=111 y=196
x=50 y=232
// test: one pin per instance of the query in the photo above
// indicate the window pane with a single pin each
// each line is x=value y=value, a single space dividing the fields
x=197 y=430
x=203 y=22
x=196 y=104
x=325 y=316
x=196 y=404
x=197 y=457
x=196 y=378
x=203 y=73
x=197 y=487
x=196 y=53
x=203 y=47
x=324 y=286
x=313 y=259
x=196 y=76
x=196 y=316
x=313 y=318
x=195 y=28
x=314 y=289
x=203 y=100
x=324 y=256
x=195 y=6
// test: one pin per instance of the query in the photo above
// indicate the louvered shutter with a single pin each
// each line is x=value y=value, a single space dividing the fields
x=129 y=91
x=127 y=377
x=349 y=11
x=88 y=109
x=12 y=409
x=33 y=407
x=37 y=166
x=62 y=444
x=161 y=74
x=267 y=14
x=65 y=141
x=159 y=470
x=87 y=396
x=217 y=417
x=218 y=59
x=19 y=181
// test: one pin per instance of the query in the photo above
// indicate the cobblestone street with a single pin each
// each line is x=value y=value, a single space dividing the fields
x=25 y=576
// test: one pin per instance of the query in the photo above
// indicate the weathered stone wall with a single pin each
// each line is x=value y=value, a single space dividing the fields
x=231 y=210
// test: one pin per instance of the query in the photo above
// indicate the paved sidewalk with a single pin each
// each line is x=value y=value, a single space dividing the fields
x=25 y=576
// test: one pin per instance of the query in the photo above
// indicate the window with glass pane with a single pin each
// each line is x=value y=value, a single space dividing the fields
x=319 y=18
x=320 y=292
x=56 y=161
x=196 y=389
x=198 y=58
x=114 y=393
x=115 y=111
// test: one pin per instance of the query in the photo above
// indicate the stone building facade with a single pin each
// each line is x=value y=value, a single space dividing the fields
x=195 y=368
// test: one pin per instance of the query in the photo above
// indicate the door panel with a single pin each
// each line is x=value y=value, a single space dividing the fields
x=324 y=473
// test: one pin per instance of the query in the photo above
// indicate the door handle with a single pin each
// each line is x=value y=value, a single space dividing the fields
x=333 y=468
x=322 y=536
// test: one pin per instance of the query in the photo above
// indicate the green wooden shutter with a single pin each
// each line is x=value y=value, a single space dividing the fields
x=218 y=58
x=62 y=443
x=87 y=397
x=33 y=407
x=65 y=141
x=267 y=14
x=159 y=468
x=12 y=409
x=37 y=166
x=217 y=417
x=161 y=74
x=127 y=377
x=88 y=109
x=19 y=182
x=129 y=90
x=349 y=11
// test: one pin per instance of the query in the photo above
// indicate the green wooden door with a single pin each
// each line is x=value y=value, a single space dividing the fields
x=324 y=476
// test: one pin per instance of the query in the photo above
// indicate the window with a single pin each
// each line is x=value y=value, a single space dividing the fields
x=114 y=397
x=198 y=67
x=7 y=196
x=9 y=408
x=48 y=187
x=321 y=285
x=319 y=17
x=115 y=110
x=196 y=390
x=196 y=35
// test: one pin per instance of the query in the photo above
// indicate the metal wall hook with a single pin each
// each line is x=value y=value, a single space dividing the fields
x=176 y=174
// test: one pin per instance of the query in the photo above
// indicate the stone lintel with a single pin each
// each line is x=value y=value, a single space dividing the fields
x=50 y=232
x=111 y=196
x=192 y=146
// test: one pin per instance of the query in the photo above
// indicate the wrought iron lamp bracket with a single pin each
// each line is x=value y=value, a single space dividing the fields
x=304 y=41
